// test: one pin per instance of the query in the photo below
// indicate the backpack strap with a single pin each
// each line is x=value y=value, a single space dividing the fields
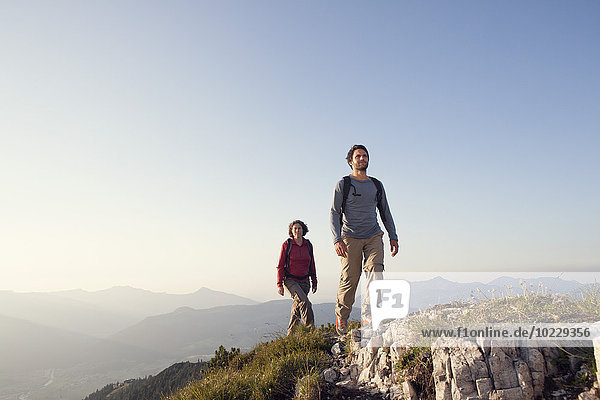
x=379 y=197
x=312 y=257
x=345 y=193
x=287 y=253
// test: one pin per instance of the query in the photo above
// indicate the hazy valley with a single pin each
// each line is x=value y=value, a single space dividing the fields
x=69 y=344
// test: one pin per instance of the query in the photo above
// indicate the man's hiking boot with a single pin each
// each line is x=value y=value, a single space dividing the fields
x=341 y=326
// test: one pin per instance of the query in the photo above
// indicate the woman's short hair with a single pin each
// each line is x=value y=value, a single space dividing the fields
x=351 y=152
x=302 y=224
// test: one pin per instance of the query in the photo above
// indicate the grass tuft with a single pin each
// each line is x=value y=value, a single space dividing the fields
x=280 y=369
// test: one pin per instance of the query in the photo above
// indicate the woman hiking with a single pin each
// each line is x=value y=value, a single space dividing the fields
x=296 y=266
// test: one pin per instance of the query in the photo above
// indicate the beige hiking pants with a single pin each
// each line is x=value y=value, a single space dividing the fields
x=301 y=306
x=371 y=251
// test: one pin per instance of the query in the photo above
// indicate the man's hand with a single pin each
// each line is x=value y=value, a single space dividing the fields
x=314 y=287
x=280 y=290
x=341 y=249
x=394 y=247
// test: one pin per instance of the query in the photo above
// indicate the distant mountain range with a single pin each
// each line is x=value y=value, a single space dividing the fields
x=425 y=294
x=192 y=334
x=65 y=345
x=105 y=312
x=56 y=345
x=142 y=303
x=76 y=364
x=25 y=346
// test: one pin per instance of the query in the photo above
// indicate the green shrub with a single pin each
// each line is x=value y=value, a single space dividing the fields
x=222 y=357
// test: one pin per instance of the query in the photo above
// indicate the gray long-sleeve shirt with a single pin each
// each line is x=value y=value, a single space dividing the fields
x=360 y=216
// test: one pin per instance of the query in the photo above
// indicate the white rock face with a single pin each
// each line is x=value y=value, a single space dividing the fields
x=461 y=371
x=330 y=375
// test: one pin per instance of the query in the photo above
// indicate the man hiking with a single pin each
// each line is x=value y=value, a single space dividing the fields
x=356 y=233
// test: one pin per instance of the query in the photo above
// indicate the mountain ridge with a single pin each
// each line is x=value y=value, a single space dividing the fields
x=103 y=313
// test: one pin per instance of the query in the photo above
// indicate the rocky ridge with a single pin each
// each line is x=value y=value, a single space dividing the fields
x=457 y=371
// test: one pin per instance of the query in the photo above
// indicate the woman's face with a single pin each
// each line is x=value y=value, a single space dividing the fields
x=297 y=231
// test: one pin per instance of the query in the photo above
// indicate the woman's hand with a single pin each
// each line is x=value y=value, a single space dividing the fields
x=280 y=290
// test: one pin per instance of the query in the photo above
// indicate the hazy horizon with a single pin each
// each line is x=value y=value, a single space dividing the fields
x=455 y=276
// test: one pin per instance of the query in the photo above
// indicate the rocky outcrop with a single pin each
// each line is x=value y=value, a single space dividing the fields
x=467 y=371
x=460 y=370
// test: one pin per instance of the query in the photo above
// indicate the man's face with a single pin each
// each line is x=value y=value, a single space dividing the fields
x=360 y=160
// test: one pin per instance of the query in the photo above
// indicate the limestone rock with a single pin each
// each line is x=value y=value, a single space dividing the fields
x=507 y=394
x=463 y=385
x=347 y=383
x=524 y=377
x=354 y=371
x=589 y=395
x=484 y=387
x=442 y=373
x=502 y=369
x=537 y=368
x=365 y=356
x=410 y=393
x=462 y=370
x=344 y=373
x=337 y=349
x=330 y=375
x=367 y=373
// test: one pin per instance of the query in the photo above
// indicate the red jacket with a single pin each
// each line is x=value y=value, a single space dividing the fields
x=301 y=263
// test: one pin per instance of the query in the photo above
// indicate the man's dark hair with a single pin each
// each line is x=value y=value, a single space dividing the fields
x=302 y=224
x=351 y=153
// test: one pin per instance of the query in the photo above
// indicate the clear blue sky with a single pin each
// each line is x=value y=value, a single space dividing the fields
x=167 y=145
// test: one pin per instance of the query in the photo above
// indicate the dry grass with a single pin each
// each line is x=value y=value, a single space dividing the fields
x=270 y=371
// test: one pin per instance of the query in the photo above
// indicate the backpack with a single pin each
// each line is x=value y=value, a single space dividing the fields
x=287 y=260
x=379 y=196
